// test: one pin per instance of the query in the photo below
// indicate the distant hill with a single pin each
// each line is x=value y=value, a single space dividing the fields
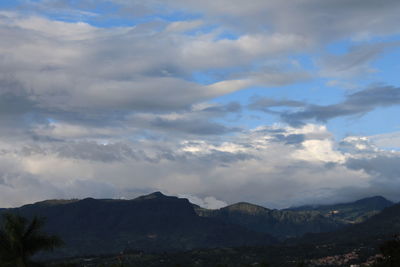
x=156 y=223
x=371 y=232
x=359 y=240
x=353 y=212
x=153 y=222
x=296 y=222
x=281 y=224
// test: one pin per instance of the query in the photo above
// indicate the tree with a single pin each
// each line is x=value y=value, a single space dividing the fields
x=20 y=239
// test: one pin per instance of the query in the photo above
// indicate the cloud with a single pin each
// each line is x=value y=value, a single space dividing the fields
x=357 y=103
x=323 y=21
x=102 y=76
x=206 y=202
x=387 y=140
x=101 y=80
x=125 y=100
x=266 y=104
x=108 y=71
x=355 y=62
x=384 y=168
x=274 y=166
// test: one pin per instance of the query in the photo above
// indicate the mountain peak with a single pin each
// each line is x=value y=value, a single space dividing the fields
x=52 y=202
x=154 y=195
x=375 y=200
x=245 y=207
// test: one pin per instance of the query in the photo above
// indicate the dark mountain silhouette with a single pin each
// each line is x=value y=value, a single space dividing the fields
x=295 y=222
x=153 y=222
x=281 y=224
x=156 y=223
x=353 y=212
x=362 y=240
x=371 y=232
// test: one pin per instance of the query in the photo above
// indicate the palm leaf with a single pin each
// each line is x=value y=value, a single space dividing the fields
x=21 y=239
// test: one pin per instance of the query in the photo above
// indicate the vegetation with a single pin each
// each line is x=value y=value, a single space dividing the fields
x=391 y=254
x=295 y=222
x=152 y=223
x=157 y=230
x=354 y=212
x=20 y=239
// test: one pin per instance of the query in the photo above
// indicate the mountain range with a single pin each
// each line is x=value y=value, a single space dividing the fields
x=153 y=222
x=350 y=213
x=371 y=232
x=295 y=222
x=159 y=223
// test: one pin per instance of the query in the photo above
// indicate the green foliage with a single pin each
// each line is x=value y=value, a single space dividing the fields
x=20 y=239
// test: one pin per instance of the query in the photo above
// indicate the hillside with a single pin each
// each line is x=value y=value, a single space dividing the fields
x=371 y=232
x=353 y=212
x=296 y=222
x=153 y=222
x=354 y=244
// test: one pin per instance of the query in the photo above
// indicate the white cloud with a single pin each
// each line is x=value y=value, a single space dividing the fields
x=182 y=26
x=206 y=202
x=324 y=21
x=96 y=70
x=387 y=140
x=114 y=112
x=258 y=166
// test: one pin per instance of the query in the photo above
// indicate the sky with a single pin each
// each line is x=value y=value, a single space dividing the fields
x=277 y=103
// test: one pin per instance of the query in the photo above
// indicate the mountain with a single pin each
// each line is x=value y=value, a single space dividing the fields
x=153 y=222
x=353 y=212
x=296 y=222
x=281 y=224
x=158 y=223
x=354 y=245
x=371 y=232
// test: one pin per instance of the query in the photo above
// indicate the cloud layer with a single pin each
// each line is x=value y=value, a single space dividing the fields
x=275 y=166
x=212 y=100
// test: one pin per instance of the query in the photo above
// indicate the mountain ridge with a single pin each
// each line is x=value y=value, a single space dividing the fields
x=295 y=222
x=350 y=212
x=152 y=223
x=157 y=222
